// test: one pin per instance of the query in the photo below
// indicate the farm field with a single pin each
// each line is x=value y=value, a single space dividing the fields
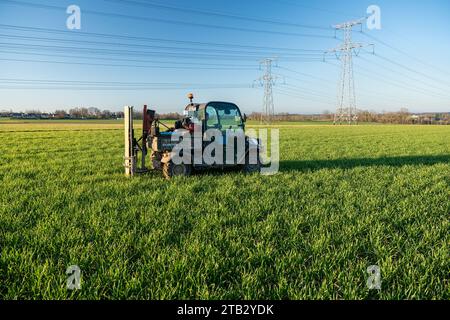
x=345 y=198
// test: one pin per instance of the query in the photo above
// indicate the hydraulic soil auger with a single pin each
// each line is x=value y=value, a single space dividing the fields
x=224 y=119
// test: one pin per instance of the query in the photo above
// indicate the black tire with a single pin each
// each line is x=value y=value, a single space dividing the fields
x=156 y=165
x=252 y=168
x=171 y=170
x=156 y=160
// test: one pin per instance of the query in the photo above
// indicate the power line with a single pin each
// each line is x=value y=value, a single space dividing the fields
x=313 y=81
x=403 y=74
x=296 y=96
x=216 y=14
x=91 y=88
x=297 y=4
x=184 y=49
x=166 y=21
x=405 y=53
x=235 y=55
x=148 y=39
x=97 y=82
x=132 y=66
x=306 y=94
x=386 y=80
x=365 y=92
x=325 y=94
x=144 y=53
x=190 y=63
x=400 y=84
x=408 y=68
x=9 y=83
x=306 y=91
x=305 y=74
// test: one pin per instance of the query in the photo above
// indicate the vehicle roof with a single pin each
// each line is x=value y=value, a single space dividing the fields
x=201 y=106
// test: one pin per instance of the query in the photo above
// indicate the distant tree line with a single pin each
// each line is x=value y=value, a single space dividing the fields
x=75 y=113
x=164 y=116
x=364 y=116
x=87 y=113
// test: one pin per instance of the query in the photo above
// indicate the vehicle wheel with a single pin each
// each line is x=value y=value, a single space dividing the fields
x=156 y=165
x=171 y=170
x=252 y=167
x=156 y=161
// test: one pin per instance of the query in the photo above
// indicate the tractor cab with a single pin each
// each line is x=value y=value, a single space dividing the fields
x=215 y=115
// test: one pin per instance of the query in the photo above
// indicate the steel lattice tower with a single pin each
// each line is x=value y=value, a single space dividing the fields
x=267 y=81
x=346 y=110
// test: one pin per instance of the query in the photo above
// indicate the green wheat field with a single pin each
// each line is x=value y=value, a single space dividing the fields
x=345 y=198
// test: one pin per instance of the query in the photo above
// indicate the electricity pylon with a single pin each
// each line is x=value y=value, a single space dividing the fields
x=346 y=110
x=267 y=81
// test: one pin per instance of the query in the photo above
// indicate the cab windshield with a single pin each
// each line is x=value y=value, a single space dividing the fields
x=225 y=115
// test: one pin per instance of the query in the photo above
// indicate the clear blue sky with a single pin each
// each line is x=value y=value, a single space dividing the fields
x=412 y=72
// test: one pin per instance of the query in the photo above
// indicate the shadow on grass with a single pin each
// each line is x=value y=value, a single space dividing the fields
x=306 y=165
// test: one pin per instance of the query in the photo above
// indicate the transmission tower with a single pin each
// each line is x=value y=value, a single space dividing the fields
x=346 y=110
x=267 y=81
